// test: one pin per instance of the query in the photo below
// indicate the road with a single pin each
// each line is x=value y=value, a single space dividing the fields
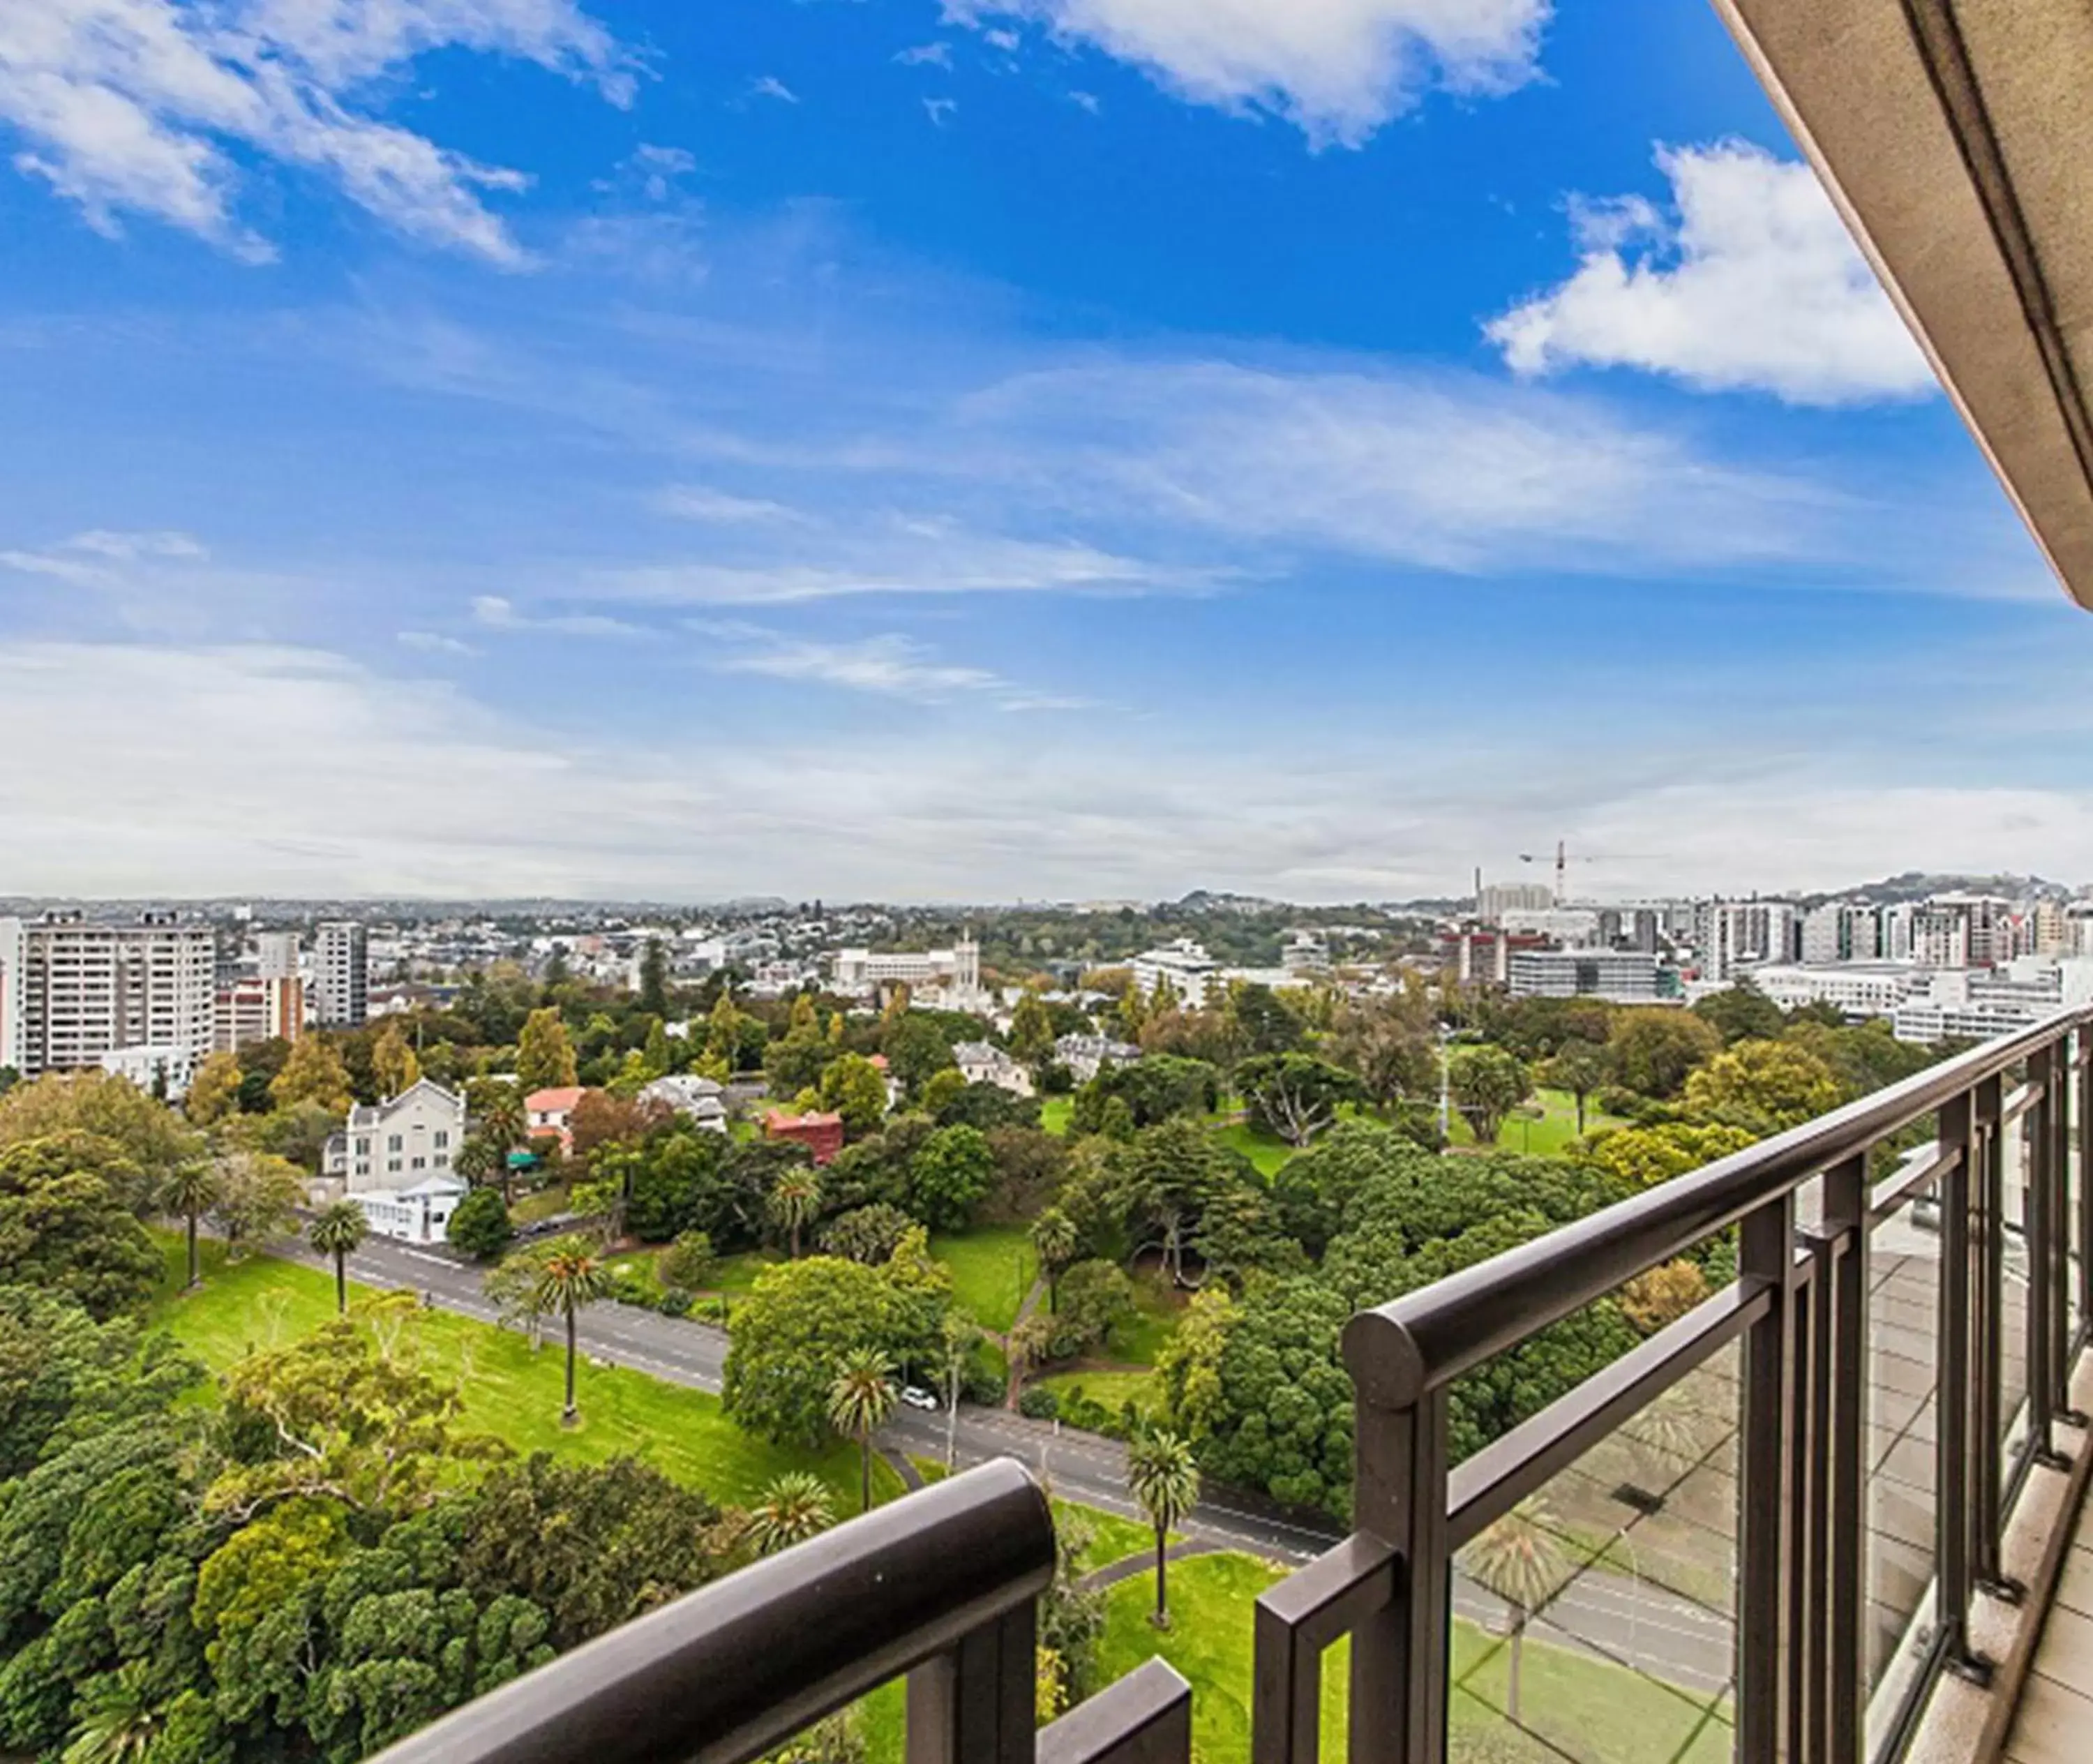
x=1598 y=1613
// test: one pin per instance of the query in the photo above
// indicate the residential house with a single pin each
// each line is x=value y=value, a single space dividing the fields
x=551 y=1112
x=420 y=1213
x=392 y=1145
x=1086 y=1055
x=981 y=1062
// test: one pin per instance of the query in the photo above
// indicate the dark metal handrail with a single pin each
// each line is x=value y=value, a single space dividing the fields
x=733 y=1670
x=1430 y=1337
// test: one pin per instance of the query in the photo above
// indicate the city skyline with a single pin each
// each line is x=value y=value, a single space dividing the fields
x=998 y=451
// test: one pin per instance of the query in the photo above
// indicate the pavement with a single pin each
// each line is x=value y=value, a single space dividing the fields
x=1600 y=1613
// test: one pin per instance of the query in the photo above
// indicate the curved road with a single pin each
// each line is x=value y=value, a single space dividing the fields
x=1598 y=1613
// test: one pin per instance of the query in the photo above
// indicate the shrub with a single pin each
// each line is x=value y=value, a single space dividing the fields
x=675 y=1303
x=1040 y=1403
x=687 y=1261
x=480 y=1226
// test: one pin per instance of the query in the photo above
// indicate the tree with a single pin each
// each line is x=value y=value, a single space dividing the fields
x=1740 y=1013
x=801 y=1321
x=1165 y=1482
x=1487 y=1084
x=120 y=1721
x=314 y=1073
x=867 y=1234
x=258 y=1196
x=64 y=1228
x=795 y=1202
x=654 y=980
x=480 y=1163
x=1641 y=1157
x=338 y=1232
x=861 y=1399
x=686 y=1262
x=479 y=1225
x=856 y=1089
x=1579 y=1068
x=1294 y=1095
x=1762 y=1087
x=1153 y=1089
x=149 y=1137
x=1096 y=1296
x=1652 y=1051
x=570 y=1277
x=1031 y=1029
x=214 y=1092
x=1663 y=1295
x=189 y=1192
x=393 y=1062
x=916 y=1048
x=948 y=1176
x=1057 y=1243
x=794 y=1507
x=1520 y=1560
x=544 y=1054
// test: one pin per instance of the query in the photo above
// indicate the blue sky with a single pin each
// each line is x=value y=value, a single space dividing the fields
x=1015 y=448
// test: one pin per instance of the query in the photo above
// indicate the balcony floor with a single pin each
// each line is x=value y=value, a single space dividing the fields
x=2054 y=1724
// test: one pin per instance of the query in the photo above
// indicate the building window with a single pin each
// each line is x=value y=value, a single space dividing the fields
x=421 y=1163
x=443 y=1158
x=362 y=1143
x=443 y=1136
x=392 y=1163
x=362 y=1167
x=392 y=1143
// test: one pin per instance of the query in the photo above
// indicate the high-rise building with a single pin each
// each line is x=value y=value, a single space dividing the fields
x=13 y=997
x=1732 y=935
x=1497 y=898
x=266 y=1003
x=91 y=989
x=1840 y=930
x=342 y=974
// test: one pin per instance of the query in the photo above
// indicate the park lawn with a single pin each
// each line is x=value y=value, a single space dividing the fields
x=1593 y=1708
x=1056 y=1113
x=510 y=1389
x=735 y=1275
x=1267 y=1152
x=993 y=1268
x=544 y=1202
x=1548 y=1134
x=1114 y=1390
x=1112 y=1538
x=1158 y=1307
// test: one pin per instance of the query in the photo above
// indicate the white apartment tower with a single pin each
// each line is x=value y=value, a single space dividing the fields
x=14 y=997
x=342 y=974
x=90 y=989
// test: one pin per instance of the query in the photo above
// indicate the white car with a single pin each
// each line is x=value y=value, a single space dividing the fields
x=916 y=1397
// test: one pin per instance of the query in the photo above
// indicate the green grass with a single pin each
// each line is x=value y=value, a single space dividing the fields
x=1267 y=1152
x=1158 y=1307
x=1113 y=1390
x=993 y=1267
x=1112 y=1538
x=735 y=1275
x=541 y=1203
x=1590 y=1708
x=1548 y=1134
x=510 y=1389
x=1056 y=1112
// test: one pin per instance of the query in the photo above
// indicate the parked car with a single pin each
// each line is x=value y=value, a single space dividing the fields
x=917 y=1398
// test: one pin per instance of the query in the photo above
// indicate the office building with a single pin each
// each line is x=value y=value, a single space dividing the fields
x=92 y=988
x=1857 y=990
x=1183 y=967
x=952 y=975
x=341 y=975
x=1617 y=976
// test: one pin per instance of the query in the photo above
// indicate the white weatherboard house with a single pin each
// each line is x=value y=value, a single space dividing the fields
x=981 y=1062
x=421 y=1214
x=393 y=1145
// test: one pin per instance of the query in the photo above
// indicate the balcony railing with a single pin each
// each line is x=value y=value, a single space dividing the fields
x=1882 y=1374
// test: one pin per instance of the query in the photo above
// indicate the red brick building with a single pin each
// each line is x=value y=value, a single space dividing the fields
x=820 y=1135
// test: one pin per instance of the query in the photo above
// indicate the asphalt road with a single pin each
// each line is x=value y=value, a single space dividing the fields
x=1599 y=1613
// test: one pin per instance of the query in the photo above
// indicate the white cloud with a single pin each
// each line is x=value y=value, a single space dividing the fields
x=941 y=110
x=496 y=612
x=907 y=557
x=434 y=643
x=145 y=106
x=1752 y=282
x=770 y=86
x=926 y=55
x=892 y=667
x=1338 y=69
x=92 y=559
x=696 y=502
x=343 y=800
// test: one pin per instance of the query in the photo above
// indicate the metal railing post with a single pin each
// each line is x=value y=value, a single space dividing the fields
x=2043 y=1226
x=1766 y=1542
x=1845 y=1370
x=2083 y=1135
x=2062 y=1218
x=974 y=1705
x=1988 y=1344
x=1961 y=1134
x=1401 y=1653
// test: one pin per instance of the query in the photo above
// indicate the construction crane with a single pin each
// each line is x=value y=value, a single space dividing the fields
x=1563 y=860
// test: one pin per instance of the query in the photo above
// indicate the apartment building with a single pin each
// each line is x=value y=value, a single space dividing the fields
x=266 y=1003
x=1497 y=898
x=342 y=974
x=1617 y=976
x=1733 y=935
x=74 y=990
x=396 y=1144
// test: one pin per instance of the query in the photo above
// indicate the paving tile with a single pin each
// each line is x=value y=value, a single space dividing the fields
x=2054 y=1725
x=2066 y=1655
x=2074 y=1589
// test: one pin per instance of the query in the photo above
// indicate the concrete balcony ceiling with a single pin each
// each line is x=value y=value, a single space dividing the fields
x=1955 y=136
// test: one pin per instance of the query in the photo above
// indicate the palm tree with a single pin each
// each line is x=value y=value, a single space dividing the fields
x=338 y=1232
x=861 y=1400
x=1056 y=1241
x=1519 y=1559
x=192 y=1190
x=119 y=1723
x=1164 y=1483
x=795 y=1201
x=502 y=1122
x=795 y=1507
x=570 y=1275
